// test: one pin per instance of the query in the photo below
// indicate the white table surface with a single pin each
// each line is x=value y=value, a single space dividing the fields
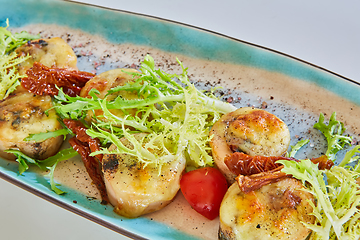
x=325 y=33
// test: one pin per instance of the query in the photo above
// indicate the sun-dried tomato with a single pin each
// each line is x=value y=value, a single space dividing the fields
x=242 y=164
x=41 y=80
x=256 y=181
x=256 y=171
x=84 y=145
x=323 y=162
x=92 y=166
x=80 y=133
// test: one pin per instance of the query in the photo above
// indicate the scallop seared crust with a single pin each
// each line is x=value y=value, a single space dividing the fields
x=104 y=82
x=275 y=211
x=250 y=130
x=135 y=190
x=22 y=114
x=53 y=52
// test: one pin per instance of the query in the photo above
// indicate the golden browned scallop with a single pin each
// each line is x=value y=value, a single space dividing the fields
x=22 y=114
x=250 y=130
x=275 y=211
x=135 y=190
x=53 y=52
x=104 y=82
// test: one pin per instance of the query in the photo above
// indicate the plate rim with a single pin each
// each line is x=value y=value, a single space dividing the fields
x=102 y=222
x=215 y=33
x=68 y=207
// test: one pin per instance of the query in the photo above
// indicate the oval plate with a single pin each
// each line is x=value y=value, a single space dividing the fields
x=250 y=75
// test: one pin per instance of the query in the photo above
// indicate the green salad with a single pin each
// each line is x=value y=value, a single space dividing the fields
x=9 y=77
x=336 y=191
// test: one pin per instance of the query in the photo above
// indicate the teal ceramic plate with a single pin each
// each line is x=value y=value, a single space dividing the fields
x=250 y=75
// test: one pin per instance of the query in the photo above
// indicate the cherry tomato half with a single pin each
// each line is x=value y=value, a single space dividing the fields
x=204 y=189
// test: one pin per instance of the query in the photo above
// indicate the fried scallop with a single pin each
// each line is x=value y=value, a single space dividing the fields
x=53 y=52
x=275 y=211
x=249 y=130
x=135 y=190
x=104 y=82
x=22 y=114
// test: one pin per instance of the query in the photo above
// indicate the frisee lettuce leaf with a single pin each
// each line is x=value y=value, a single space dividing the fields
x=176 y=116
x=336 y=191
x=155 y=87
x=294 y=149
x=9 y=77
x=337 y=196
x=39 y=137
x=49 y=163
x=333 y=133
x=9 y=41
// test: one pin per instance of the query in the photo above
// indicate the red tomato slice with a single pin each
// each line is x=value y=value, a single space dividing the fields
x=204 y=189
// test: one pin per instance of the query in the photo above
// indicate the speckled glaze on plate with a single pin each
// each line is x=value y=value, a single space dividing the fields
x=250 y=75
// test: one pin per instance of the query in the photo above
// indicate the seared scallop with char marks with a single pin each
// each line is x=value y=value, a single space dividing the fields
x=135 y=189
x=21 y=114
x=53 y=52
x=253 y=131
